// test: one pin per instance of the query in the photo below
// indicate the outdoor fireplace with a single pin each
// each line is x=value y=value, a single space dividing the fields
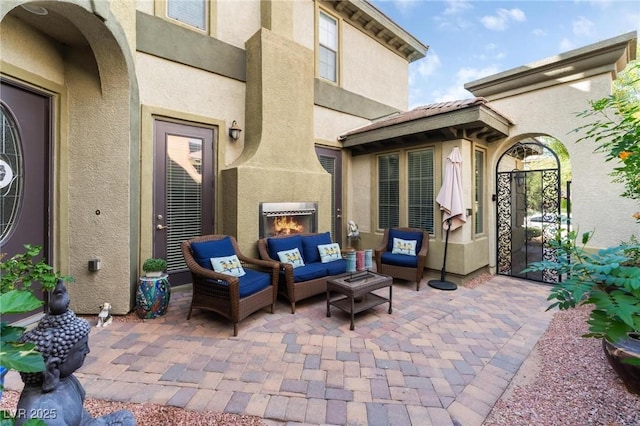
x=287 y=218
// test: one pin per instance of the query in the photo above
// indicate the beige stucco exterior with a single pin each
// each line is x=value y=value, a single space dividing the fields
x=127 y=65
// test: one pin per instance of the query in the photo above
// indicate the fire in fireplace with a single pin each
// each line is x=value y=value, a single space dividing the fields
x=287 y=218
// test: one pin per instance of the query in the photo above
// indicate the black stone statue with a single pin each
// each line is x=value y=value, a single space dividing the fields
x=55 y=395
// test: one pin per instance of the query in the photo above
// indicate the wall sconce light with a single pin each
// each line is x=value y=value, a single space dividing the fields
x=234 y=130
x=519 y=177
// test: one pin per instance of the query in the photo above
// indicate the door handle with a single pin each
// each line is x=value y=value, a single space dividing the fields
x=161 y=227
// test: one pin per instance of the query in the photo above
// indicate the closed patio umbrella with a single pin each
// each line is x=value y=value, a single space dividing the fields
x=451 y=200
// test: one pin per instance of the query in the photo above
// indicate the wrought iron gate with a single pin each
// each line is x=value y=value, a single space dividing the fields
x=528 y=209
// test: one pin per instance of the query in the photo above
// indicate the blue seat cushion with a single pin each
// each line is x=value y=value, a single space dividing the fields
x=399 y=259
x=310 y=245
x=203 y=251
x=253 y=281
x=310 y=271
x=274 y=245
x=336 y=267
x=250 y=283
x=404 y=235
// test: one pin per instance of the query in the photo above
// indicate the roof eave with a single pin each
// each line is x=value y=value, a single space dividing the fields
x=610 y=55
x=368 y=19
x=478 y=121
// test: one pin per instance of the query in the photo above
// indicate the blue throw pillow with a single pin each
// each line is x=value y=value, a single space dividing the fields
x=310 y=245
x=274 y=245
x=203 y=251
x=404 y=235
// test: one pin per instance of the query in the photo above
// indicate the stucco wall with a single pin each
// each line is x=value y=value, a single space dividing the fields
x=596 y=200
x=235 y=25
x=91 y=146
x=182 y=88
x=328 y=124
x=44 y=58
x=362 y=73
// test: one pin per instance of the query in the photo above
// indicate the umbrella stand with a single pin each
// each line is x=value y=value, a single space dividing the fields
x=442 y=284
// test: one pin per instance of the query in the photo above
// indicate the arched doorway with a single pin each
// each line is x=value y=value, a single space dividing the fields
x=529 y=214
x=74 y=55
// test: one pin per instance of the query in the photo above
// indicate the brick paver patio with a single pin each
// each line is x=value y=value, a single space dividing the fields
x=441 y=358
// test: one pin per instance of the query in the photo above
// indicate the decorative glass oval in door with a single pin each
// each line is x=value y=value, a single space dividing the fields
x=11 y=173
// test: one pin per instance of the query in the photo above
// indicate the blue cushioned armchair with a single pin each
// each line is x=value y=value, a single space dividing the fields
x=234 y=297
x=402 y=265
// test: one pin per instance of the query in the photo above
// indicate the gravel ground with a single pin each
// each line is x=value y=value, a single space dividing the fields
x=565 y=381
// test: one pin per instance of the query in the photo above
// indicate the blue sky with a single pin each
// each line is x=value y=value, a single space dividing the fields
x=469 y=40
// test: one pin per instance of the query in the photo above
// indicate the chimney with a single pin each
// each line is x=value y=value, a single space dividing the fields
x=278 y=163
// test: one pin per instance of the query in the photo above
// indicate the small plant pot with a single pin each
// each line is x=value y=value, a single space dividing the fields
x=154 y=274
x=618 y=355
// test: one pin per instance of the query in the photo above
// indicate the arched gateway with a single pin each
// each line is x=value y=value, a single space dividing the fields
x=528 y=212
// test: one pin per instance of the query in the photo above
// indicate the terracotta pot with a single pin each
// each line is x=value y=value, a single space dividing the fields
x=625 y=349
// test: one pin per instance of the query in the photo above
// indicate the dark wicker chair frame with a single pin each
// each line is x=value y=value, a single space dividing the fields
x=401 y=272
x=294 y=291
x=224 y=299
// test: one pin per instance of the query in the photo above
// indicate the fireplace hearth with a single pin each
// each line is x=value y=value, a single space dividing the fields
x=287 y=218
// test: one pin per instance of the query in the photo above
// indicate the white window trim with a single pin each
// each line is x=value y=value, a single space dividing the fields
x=322 y=11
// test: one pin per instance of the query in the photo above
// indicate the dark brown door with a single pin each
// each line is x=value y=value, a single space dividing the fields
x=24 y=171
x=331 y=160
x=183 y=191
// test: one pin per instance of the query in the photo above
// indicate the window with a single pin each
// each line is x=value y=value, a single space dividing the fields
x=388 y=191
x=327 y=47
x=420 y=189
x=479 y=192
x=190 y=12
x=418 y=167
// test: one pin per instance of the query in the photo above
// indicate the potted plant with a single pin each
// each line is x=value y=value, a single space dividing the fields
x=18 y=275
x=154 y=267
x=609 y=280
x=154 y=291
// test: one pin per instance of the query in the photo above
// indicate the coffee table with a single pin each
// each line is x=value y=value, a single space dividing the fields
x=358 y=285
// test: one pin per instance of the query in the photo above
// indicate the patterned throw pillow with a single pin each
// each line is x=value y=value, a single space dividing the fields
x=229 y=265
x=329 y=252
x=292 y=256
x=407 y=247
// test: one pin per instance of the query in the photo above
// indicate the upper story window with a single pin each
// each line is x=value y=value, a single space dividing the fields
x=189 y=12
x=327 y=47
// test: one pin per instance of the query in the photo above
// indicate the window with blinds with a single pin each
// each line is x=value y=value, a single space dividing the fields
x=388 y=191
x=479 y=191
x=327 y=47
x=184 y=195
x=420 y=189
x=329 y=164
x=190 y=12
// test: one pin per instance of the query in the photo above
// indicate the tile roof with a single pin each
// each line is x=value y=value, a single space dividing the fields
x=420 y=113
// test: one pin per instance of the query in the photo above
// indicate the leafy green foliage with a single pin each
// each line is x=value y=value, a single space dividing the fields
x=609 y=280
x=154 y=265
x=616 y=130
x=18 y=276
x=7 y=420
x=21 y=271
